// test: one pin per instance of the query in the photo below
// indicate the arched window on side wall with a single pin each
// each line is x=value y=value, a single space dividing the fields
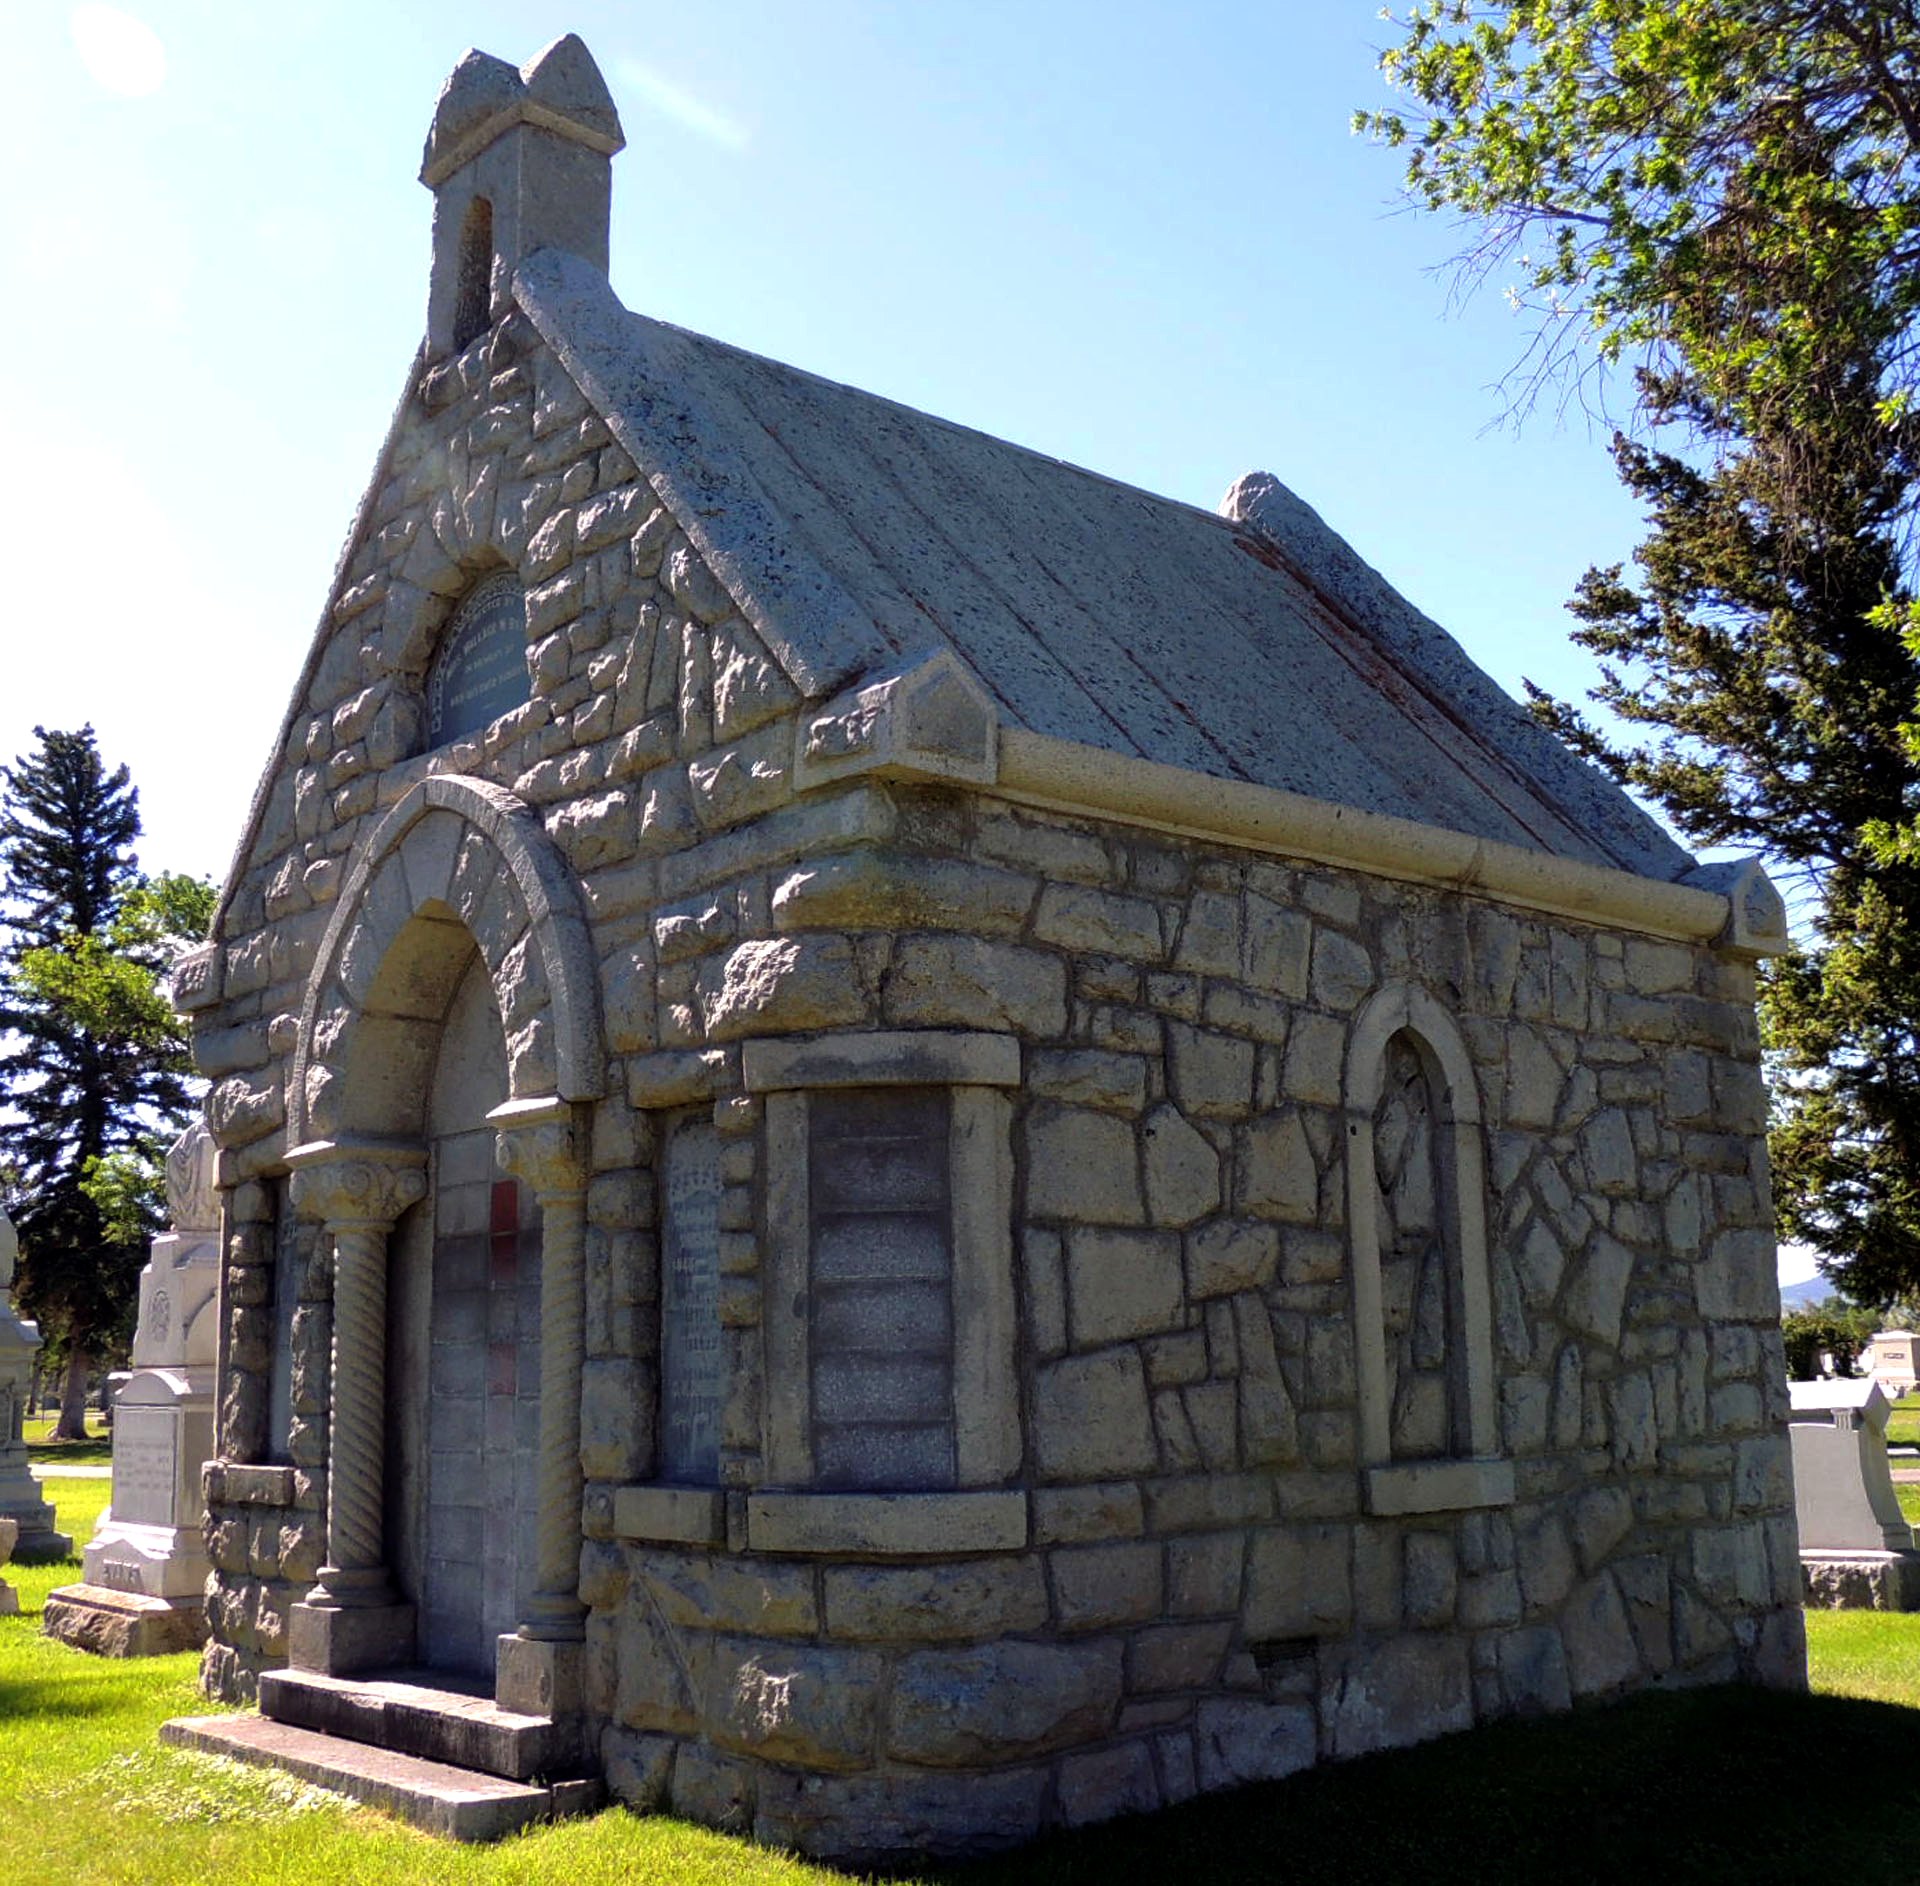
x=1417 y=1217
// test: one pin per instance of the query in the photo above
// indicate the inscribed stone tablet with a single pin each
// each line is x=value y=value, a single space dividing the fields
x=145 y=1454
x=480 y=671
x=690 y=1310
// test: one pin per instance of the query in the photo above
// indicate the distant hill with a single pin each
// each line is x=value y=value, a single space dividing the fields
x=1804 y=1295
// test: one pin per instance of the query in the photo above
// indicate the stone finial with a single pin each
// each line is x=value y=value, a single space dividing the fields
x=192 y=1202
x=559 y=89
x=518 y=161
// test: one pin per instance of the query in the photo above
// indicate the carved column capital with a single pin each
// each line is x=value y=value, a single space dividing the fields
x=342 y=1184
x=543 y=1144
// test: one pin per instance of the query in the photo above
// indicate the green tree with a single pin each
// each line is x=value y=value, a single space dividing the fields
x=93 y=1062
x=1724 y=197
x=1834 y=1331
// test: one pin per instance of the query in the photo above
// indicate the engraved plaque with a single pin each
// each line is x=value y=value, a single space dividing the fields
x=145 y=1465
x=690 y=1305
x=480 y=671
x=880 y=1300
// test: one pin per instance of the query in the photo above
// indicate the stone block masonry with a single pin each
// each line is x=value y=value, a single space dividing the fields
x=1058 y=1426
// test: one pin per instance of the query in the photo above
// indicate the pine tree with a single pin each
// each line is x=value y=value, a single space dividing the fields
x=1727 y=193
x=93 y=1063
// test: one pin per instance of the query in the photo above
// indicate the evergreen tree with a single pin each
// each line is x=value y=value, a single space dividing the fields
x=93 y=1062
x=1726 y=193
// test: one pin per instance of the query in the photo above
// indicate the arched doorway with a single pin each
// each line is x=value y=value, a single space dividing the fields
x=451 y=1020
x=463 y=1368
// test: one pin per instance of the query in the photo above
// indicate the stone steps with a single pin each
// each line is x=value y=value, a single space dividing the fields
x=457 y=1803
x=416 y=1713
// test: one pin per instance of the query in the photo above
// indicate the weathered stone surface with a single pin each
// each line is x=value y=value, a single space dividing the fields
x=935 y=1603
x=1405 y=1690
x=1228 y=1256
x=1128 y=1285
x=1182 y=1170
x=1241 y=1739
x=806 y=1704
x=1082 y=1166
x=1121 y=1283
x=783 y=986
x=1001 y=1702
x=974 y=982
x=1090 y=1417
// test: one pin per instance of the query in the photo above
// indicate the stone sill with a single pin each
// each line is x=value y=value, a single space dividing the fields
x=887 y=1525
x=1438 y=1486
x=670 y=1515
x=231 y=1484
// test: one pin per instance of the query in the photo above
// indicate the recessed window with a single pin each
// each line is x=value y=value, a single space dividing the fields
x=1416 y=1211
x=476 y=274
x=479 y=671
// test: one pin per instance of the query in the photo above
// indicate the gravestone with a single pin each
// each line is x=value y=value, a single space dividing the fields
x=1856 y=1548
x=146 y=1566
x=1893 y=1360
x=9 y=1598
x=37 y=1542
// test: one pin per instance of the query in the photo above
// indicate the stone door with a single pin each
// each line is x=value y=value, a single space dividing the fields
x=467 y=1384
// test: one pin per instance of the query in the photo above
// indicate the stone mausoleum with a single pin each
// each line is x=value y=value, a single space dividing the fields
x=913 y=1146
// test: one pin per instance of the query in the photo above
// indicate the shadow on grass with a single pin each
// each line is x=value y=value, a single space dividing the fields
x=81 y=1690
x=1709 y=1785
x=54 y=1455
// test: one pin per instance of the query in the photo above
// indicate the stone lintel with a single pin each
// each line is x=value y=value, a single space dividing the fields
x=230 y=1483
x=671 y=1515
x=898 y=1058
x=1438 y=1486
x=887 y=1525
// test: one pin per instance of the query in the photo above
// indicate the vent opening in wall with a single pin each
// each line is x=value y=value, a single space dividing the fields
x=479 y=671
x=476 y=274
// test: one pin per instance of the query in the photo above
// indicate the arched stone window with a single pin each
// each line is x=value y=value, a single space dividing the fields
x=475 y=287
x=1416 y=1213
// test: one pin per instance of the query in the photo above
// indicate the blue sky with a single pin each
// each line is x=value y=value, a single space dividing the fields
x=1137 y=236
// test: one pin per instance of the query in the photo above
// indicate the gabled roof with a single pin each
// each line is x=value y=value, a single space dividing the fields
x=1253 y=645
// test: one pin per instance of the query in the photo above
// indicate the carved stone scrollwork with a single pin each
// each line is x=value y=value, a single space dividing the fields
x=341 y=1185
x=543 y=1144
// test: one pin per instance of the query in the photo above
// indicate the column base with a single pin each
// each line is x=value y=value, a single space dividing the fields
x=340 y=1640
x=535 y=1677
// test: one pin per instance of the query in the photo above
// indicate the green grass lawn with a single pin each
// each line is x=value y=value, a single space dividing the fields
x=1903 y=1425
x=96 y=1450
x=1713 y=1785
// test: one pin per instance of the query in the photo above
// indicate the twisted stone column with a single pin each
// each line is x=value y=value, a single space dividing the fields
x=543 y=1145
x=357 y=1192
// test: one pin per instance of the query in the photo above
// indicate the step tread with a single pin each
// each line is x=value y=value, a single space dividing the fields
x=285 y=1743
x=464 y=1803
x=431 y=1691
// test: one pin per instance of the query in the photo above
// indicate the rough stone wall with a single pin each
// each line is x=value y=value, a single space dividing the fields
x=657 y=721
x=1203 y=1601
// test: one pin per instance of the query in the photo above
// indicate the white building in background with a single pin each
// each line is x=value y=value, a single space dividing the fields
x=1891 y=1361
